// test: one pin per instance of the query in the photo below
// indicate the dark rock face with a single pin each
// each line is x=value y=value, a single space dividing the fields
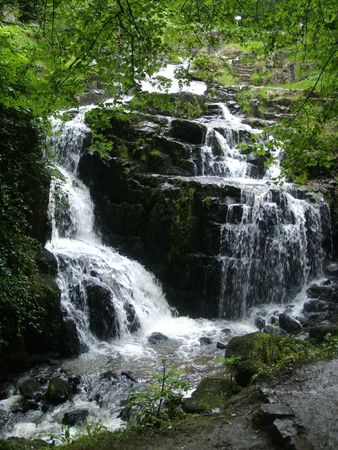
x=289 y=324
x=71 y=344
x=102 y=315
x=76 y=417
x=332 y=270
x=189 y=132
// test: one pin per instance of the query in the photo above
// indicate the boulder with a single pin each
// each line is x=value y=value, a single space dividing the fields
x=205 y=340
x=102 y=316
x=29 y=388
x=315 y=306
x=70 y=341
x=187 y=131
x=260 y=323
x=133 y=322
x=59 y=390
x=272 y=329
x=289 y=324
x=272 y=411
x=157 y=338
x=221 y=346
x=210 y=394
x=320 y=331
x=323 y=292
x=76 y=417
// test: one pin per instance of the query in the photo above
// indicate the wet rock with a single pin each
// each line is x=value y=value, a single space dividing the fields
x=284 y=430
x=272 y=329
x=221 y=346
x=30 y=405
x=190 y=132
x=315 y=306
x=289 y=324
x=109 y=375
x=323 y=292
x=59 y=390
x=157 y=338
x=133 y=322
x=4 y=416
x=125 y=413
x=210 y=394
x=129 y=376
x=205 y=341
x=76 y=417
x=226 y=331
x=29 y=388
x=319 y=332
x=102 y=315
x=260 y=323
x=332 y=270
x=272 y=411
x=70 y=345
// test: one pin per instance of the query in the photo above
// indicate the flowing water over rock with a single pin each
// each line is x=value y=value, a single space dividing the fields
x=271 y=245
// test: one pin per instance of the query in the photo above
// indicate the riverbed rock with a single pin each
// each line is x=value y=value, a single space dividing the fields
x=221 y=346
x=289 y=324
x=332 y=270
x=260 y=323
x=210 y=394
x=272 y=411
x=76 y=417
x=59 y=390
x=205 y=340
x=29 y=388
x=320 y=331
x=315 y=306
x=157 y=338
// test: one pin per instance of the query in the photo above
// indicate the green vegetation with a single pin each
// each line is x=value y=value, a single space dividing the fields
x=257 y=355
x=159 y=402
x=186 y=106
x=24 y=185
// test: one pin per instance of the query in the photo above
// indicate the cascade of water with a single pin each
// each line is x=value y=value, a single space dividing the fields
x=221 y=155
x=103 y=293
x=271 y=245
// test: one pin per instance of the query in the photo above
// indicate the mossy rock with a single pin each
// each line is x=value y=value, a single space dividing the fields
x=210 y=394
x=248 y=349
x=23 y=444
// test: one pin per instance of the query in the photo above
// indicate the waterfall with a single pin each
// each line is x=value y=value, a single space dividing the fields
x=104 y=295
x=271 y=243
x=271 y=246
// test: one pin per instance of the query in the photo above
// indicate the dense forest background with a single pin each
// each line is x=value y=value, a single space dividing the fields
x=52 y=51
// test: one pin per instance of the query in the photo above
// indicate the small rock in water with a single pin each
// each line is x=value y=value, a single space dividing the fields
x=109 y=375
x=59 y=390
x=157 y=338
x=332 y=270
x=226 y=331
x=205 y=340
x=221 y=346
x=129 y=376
x=260 y=323
x=76 y=417
x=29 y=388
x=289 y=324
